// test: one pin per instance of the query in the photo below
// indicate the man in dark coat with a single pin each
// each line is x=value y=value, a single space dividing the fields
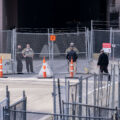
x=103 y=62
x=19 y=59
x=72 y=55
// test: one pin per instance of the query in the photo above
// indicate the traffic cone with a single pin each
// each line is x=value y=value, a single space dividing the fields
x=1 y=68
x=71 y=68
x=45 y=71
x=44 y=68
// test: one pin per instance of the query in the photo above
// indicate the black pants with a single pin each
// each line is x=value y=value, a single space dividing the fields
x=19 y=66
x=29 y=64
x=104 y=69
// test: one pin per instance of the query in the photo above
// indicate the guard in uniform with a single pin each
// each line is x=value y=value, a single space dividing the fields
x=19 y=59
x=28 y=55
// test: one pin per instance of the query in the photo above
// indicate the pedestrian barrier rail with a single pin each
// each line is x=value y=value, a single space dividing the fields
x=5 y=107
x=92 y=89
x=88 y=110
x=20 y=105
x=51 y=116
x=3 y=104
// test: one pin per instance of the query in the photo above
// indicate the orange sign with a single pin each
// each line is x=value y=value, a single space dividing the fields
x=52 y=37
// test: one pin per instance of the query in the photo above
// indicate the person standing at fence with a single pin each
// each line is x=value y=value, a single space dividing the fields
x=28 y=55
x=103 y=62
x=72 y=50
x=19 y=59
x=72 y=55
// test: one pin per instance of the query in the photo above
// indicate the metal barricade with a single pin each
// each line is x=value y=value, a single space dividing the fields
x=3 y=104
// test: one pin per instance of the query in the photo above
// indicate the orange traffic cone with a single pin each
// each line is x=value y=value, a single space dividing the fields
x=1 y=68
x=44 y=68
x=71 y=68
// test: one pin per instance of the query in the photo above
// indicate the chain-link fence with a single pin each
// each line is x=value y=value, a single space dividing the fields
x=107 y=36
x=6 y=50
x=6 y=41
x=104 y=32
x=62 y=42
x=54 y=52
x=41 y=44
x=100 y=37
x=38 y=42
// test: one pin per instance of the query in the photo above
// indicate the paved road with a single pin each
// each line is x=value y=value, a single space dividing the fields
x=38 y=93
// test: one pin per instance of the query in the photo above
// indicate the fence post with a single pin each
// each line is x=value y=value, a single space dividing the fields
x=14 y=51
x=119 y=88
x=113 y=87
x=113 y=46
x=68 y=98
x=80 y=96
x=95 y=78
x=7 y=96
x=52 y=53
x=49 y=46
x=6 y=110
x=111 y=38
x=59 y=94
x=91 y=37
x=86 y=42
x=66 y=95
x=86 y=95
x=98 y=95
x=54 y=97
x=24 y=105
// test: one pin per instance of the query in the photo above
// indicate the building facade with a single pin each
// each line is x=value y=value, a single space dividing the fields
x=21 y=13
x=8 y=14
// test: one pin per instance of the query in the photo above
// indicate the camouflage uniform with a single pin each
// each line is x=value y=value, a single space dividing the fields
x=74 y=48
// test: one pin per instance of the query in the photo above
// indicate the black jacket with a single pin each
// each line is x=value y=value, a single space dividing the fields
x=19 y=54
x=103 y=60
x=72 y=54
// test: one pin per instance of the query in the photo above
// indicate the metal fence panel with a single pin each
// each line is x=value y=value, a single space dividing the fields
x=5 y=41
x=116 y=41
x=51 y=116
x=62 y=42
x=6 y=50
x=99 y=37
x=39 y=44
x=3 y=103
x=54 y=51
x=98 y=90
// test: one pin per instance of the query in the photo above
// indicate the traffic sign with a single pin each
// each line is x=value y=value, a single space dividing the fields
x=53 y=37
x=107 y=47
